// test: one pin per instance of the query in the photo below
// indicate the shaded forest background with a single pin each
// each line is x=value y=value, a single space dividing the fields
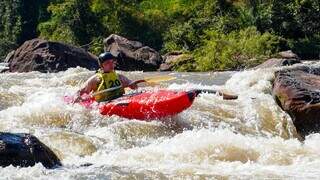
x=217 y=34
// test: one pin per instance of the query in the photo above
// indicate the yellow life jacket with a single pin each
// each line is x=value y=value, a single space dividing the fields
x=108 y=80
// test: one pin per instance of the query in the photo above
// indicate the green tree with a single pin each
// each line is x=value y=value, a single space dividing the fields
x=71 y=21
x=18 y=22
x=131 y=19
x=10 y=26
x=199 y=17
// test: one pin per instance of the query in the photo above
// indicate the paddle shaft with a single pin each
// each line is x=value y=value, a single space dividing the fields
x=163 y=78
x=118 y=87
x=198 y=91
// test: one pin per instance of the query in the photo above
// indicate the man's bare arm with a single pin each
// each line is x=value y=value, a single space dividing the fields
x=90 y=85
x=126 y=82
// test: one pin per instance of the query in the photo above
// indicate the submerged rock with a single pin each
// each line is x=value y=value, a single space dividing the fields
x=297 y=91
x=132 y=55
x=25 y=150
x=46 y=56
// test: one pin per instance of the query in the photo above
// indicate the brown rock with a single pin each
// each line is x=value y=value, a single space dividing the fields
x=297 y=92
x=132 y=55
x=172 y=56
x=165 y=67
x=169 y=59
x=46 y=56
x=288 y=55
x=178 y=61
x=25 y=150
x=277 y=62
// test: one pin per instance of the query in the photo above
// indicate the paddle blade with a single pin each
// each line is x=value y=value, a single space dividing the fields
x=156 y=79
x=152 y=84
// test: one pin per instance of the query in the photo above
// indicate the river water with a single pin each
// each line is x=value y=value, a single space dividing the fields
x=247 y=138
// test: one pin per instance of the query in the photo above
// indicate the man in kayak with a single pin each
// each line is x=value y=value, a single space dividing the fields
x=105 y=78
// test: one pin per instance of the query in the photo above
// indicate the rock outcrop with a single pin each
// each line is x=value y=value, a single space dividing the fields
x=25 y=150
x=178 y=60
x=277 y=62
x=284 y=58
x=169 y=59
x=132 y=55
x=297 y=91
x=46 y=56
x=288 y=55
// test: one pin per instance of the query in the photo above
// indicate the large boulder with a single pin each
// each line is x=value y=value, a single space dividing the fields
x=297 y=92
x=132 y=55
x=46 y=56
x=25 y=150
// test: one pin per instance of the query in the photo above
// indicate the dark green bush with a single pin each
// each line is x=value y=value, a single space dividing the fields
x=235 y=50
x=307 y=47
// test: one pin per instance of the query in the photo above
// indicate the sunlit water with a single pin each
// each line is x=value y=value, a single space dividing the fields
x=247 y=138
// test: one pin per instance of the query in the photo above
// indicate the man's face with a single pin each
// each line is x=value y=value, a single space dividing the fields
x=108 y=65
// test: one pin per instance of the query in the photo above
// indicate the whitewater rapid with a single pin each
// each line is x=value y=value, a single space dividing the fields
x=247 y=138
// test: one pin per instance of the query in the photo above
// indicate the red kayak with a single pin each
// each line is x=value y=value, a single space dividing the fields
x=147 y=105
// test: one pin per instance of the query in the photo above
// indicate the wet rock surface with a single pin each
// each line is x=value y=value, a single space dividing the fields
x=25 y=150
x=297 y=91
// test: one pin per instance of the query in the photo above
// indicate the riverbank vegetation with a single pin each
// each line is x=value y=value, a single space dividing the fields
x=216 y=34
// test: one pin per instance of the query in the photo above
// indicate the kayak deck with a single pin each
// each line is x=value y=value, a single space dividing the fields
x=149 y=105
x=145 y=105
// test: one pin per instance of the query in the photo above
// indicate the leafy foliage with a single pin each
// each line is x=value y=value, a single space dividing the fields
x=18 y=22
x=234 y=50
x=71 y=21
x=218 y=34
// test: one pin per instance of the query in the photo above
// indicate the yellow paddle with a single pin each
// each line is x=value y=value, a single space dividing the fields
x=156 y=79
x=150 y=80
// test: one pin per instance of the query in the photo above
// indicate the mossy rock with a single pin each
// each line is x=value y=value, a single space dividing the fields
x=184 y=63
